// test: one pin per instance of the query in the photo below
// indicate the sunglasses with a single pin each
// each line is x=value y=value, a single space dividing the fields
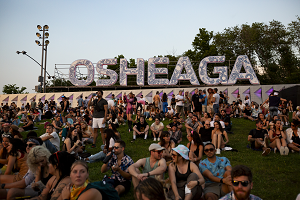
x=244 y=183
x=115 y=147
x=159 y=152
x=207 y=150
x=30 y=145
x=174 y=155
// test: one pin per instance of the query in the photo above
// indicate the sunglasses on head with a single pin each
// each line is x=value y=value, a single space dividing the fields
x=207 y=150
x=244 y=183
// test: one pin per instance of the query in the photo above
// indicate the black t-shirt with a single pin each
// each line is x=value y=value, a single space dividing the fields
x=141 y=127
x=173 y=101
x=99 y=111
x=247 y=112
x=225 y=119
x=174 y=124
x=274 y=101
x=205 y=134
x=195 y=99
x=257 y=134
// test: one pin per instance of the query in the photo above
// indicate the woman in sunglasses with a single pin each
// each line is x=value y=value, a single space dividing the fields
x=218 y=135
x=169 y=144
x=16 y=161
x=36 y=177
x=185 y=176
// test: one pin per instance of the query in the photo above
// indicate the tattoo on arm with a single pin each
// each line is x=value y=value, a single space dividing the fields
x=58 y=191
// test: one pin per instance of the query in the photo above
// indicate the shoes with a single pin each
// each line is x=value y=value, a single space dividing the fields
x=286 y=123
x=132 y=141
x=218 y=151
x=286 y=151
x=80 y=158
x=93 y=145
x=266 y=152
x=163 y=119
x=275 y=149
x=129 y=130
x=124 y=123
x=63 y=139
x=154 y=139
x=282 y=150
x=158 y=139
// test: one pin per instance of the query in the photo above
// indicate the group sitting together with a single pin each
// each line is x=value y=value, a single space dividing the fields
x=54 y=165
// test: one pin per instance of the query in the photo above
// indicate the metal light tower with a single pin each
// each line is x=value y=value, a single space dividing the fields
x=44 y=36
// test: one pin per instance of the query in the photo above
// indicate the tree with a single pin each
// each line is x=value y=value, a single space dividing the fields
x=13 y=89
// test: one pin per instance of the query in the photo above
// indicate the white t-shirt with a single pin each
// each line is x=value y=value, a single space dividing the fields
x=217 y=98
x=156 y=127
x=221 y=122
x=171 y=111
x=55 y=140
x=242 y=106
x=180 y=102
x=111 y=143
x=110 y=103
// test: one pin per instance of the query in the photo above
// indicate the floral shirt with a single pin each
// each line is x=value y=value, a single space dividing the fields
x=217 y=168
x=230 y=196
x=125 y=163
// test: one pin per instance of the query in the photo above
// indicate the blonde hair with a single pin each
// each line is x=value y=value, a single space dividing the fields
x=80 y=162
x=34 y=156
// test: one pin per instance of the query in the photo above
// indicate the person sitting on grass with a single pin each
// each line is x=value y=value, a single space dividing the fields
x=241 y=184
x=193 y=125
x=195 y=147
x=157 y=128
x=150 y=189
x=28 y=125
x=259 y=138
x=175 y=134
x=218 y=135
x=278 y=139
x=247 y=112
x=217 y=173
x=51 y=139
x=152 y=166
x=168 y=144
x=175 y=122
x=73 y=142
x=265 y=122
x=140 y=129
x=293 y=136
x=217 y=118
x=170 y=113
x=119 y=164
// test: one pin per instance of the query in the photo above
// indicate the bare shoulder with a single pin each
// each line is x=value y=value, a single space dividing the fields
x=90 y=194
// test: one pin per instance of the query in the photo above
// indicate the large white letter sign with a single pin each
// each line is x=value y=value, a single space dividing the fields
x=152 y=71
x=222 y=71
x=139 y=71
x=190 y=73
x=90 y=71
x=235 y=73
x=111 y=73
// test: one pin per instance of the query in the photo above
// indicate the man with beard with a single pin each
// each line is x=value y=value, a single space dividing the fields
x=152 y=166
x=241 y=184
x=217 y=173
x=99 y=116
x=119 y=164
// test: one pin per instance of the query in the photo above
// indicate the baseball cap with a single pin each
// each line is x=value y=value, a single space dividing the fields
x=155 y=146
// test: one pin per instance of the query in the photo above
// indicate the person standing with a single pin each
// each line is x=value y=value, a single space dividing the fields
x=80 y=101
x=216 y=100
x=274 y=101
x=187 y=103
x=179 y=104
x=156 y=99
x=196 y=103
x=64 y=108
x=99 y=116
x=33 y=104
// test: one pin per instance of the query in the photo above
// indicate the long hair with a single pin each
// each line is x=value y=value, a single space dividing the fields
x=164 y=97
x=35 y=155
x=196 y=138
x=109 y=134
x=17 y=145
x=163 y=134
x=220 y=126
x=63 y=162
x=70 y=134
x=151 y=188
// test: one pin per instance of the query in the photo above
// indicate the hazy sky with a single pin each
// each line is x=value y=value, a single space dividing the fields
x=95 y=29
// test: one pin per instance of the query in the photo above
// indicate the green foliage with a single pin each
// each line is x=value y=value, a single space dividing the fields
x=13 y=89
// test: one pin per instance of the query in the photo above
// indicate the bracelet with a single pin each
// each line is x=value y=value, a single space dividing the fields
x=221 y=181
x=198 y=183
x=148 y=174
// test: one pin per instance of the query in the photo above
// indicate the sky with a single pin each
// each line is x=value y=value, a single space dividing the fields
x=95 y=29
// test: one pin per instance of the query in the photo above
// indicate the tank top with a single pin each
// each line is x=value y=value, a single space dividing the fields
x=196 y=152
x=182 y=177
x=147 y=168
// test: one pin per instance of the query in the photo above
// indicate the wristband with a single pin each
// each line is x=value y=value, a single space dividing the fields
x=148 y=174
x=198 y=183
x=221 y=181
x=2 y=186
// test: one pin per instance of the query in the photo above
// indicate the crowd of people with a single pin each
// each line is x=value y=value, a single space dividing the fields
x=54 y=164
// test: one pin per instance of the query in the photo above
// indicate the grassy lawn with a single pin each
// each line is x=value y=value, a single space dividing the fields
x=275 y=176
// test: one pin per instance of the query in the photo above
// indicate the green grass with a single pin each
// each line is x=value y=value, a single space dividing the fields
x=275 y=176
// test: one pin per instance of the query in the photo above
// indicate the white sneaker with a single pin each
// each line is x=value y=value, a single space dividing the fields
x=286 y=151
x=286 y=123
x=163 y=119
x=63 y=139
x=154 y=139
x=158 y=139
x=218 y=151
x=282 y=149
x=275 y=149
